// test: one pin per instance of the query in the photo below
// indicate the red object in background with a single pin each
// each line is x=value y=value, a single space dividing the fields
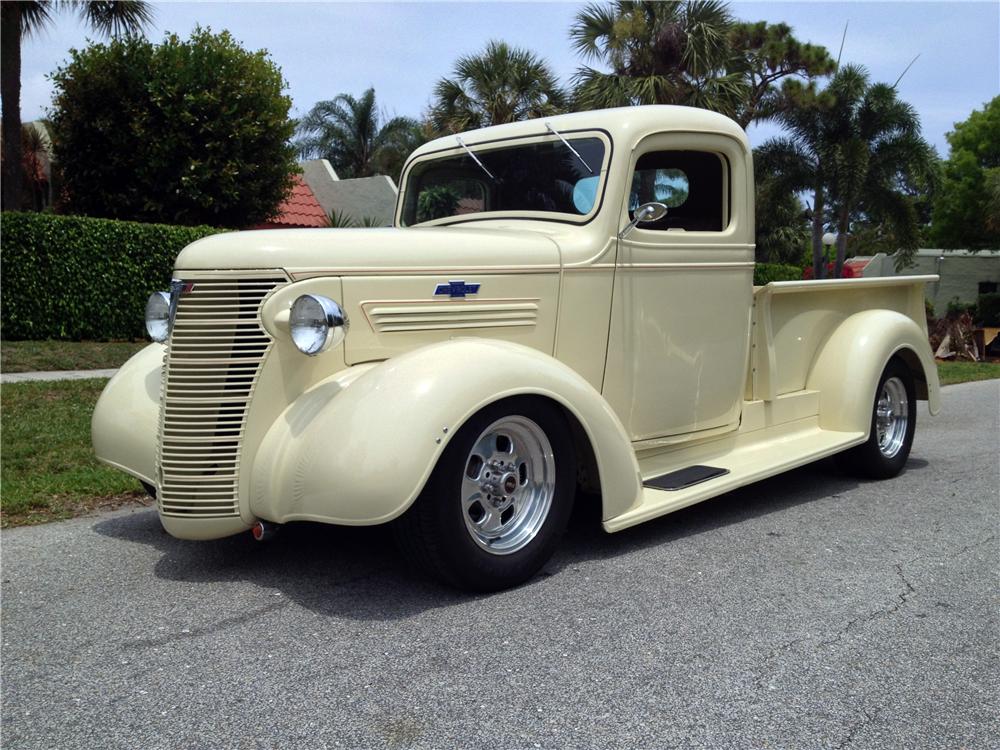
x=847 y=272
x=299 y=210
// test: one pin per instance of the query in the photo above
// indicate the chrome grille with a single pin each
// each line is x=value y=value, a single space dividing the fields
x=215 y=350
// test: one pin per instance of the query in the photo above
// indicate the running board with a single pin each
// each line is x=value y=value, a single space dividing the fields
x=744 y=457
x=686 y=477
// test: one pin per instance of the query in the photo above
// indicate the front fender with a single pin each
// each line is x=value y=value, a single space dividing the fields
x=848 y=367
x=124 y=427
x=357 y=448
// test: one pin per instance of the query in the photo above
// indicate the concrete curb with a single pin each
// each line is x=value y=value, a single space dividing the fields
x=26 y=377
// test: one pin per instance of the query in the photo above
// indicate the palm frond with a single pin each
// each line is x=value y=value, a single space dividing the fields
x=31 y=17
x=116 y=18
x=591 y=29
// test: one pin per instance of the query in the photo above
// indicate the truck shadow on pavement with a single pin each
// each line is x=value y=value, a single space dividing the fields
x=357 y=573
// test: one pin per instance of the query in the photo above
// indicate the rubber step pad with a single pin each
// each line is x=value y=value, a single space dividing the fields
x=686 y=477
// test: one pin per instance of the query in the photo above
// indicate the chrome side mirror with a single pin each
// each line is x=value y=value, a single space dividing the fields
x=646 y=213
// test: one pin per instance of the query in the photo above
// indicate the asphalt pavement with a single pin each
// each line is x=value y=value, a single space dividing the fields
x=807 y=611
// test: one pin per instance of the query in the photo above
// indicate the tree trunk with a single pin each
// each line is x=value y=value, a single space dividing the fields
x=819 y=267
x=843 y=224
x=10 y=93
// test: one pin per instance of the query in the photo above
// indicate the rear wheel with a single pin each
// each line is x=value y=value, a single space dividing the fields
x=498 y=500
x=894 y=418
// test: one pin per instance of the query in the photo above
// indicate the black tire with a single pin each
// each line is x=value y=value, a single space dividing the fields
x=434 y=533
x=875 y=459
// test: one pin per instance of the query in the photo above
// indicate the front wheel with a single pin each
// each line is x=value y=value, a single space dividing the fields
x=498 y=500
x=894 y=419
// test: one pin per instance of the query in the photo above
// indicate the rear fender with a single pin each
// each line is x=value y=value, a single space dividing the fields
x=848 y=367
x=357 y=448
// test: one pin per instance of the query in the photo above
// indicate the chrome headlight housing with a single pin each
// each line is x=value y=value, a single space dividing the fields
x=158 y=316
x=317 y=323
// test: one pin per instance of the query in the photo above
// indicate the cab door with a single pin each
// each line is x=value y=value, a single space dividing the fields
x=680 y=321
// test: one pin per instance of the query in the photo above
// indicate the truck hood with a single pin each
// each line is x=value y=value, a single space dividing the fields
x=333 y=251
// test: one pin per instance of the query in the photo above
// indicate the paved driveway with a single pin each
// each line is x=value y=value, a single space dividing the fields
x=807 y=611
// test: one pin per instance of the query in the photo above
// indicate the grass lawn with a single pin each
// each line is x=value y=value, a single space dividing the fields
x=48 y=469
x=28 y=356
x=964 y=372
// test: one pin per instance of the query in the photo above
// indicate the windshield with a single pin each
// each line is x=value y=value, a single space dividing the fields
x=533 y=177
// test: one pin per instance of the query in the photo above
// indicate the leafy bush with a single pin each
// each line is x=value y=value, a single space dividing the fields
x=989 y=309
x=957 y=308
x=437 y=202
x=764 y=273
x=73 y=278
x=845 y=273
x=184 y=132
x=342 y=220
x=967 y=205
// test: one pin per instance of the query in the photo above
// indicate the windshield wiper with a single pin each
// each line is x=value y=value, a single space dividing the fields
x=474 y=157
x=576 y=153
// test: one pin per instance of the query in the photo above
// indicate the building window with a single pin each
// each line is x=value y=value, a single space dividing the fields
x=987 y=287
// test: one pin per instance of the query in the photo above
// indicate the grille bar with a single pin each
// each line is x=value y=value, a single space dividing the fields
x=216 y=347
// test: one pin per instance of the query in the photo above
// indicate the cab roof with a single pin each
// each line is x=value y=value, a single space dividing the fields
x=624 y=124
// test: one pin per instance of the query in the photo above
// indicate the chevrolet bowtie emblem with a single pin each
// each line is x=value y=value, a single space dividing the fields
x=456 y=289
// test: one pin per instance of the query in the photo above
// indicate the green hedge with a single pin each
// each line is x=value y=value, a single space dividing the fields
x=75 y=278
x=764 y=273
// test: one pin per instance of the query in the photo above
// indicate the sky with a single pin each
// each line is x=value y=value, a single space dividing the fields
x=402 y=49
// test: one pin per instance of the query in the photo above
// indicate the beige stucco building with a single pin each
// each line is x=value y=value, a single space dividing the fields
x=964 y=274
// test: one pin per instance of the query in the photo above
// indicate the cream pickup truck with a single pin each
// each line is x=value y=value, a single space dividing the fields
x=561 y=305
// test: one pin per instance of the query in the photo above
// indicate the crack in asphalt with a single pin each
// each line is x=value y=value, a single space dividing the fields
x=226 y=624
x=860 y=724
x=970 y=547
x=902 y=596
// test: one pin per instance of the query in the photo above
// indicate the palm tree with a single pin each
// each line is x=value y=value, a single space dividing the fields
x=502 y=84
x=36 y=163
x=780 y=221
x=857 y=148
x=796 y=162
x=355 y=138
x=19 y=20
x=876 y=156
x=658 y=53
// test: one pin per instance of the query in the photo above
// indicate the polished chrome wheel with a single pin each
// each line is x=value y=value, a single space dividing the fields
x=509 y=483
x=891 y=417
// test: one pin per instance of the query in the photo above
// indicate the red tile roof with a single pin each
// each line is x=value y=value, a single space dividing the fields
x=300 y=209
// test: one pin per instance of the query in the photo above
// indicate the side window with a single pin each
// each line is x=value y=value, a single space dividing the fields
x=694 y=185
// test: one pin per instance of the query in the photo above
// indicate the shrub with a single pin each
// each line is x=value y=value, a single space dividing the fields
x=846 y=272
x=764 y=273
x=989 y=309
x=73 y=278
x=437 y=202
x=184 y=132
x=958 y=308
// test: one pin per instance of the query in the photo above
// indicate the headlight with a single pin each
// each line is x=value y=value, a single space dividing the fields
x=158 y=316
x=317 y=323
